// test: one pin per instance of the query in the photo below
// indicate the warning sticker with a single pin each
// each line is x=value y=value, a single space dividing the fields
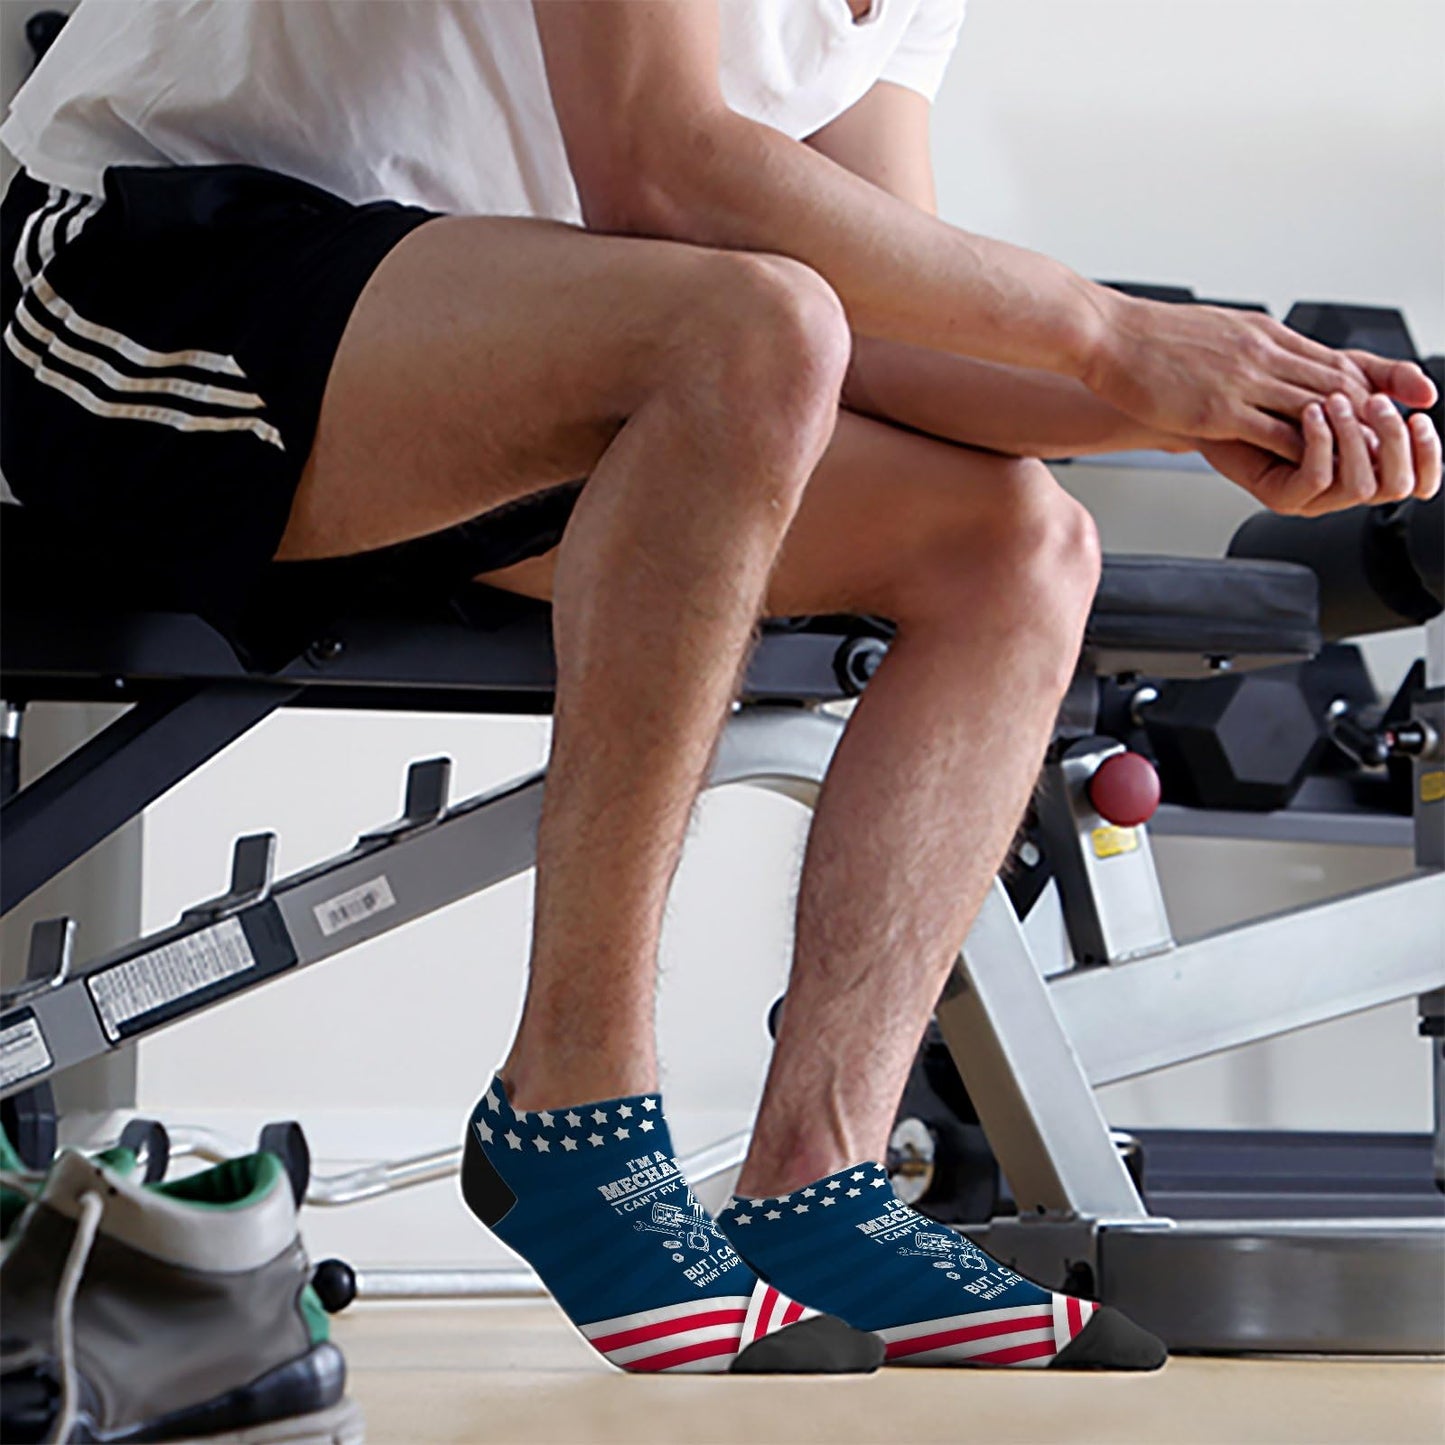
x=1110 y=841
x=1432 y=786
x=22 y=1050
x=153 y=981
x=355 y=906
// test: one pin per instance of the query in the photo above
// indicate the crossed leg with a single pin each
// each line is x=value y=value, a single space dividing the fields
x=988 y=568
x=698 y=393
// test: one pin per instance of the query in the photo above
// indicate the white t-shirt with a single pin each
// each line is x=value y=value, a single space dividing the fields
x=442 y=103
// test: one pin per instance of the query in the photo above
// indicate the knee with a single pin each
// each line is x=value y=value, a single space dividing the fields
x=771 y=343
x=1031 y=563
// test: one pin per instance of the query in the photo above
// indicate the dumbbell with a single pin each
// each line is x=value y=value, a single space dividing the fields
x=1380 y=329
x=1244 y=742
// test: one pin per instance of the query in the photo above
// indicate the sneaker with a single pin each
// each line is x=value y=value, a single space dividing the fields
x=19 y=1184
x=178 y=1311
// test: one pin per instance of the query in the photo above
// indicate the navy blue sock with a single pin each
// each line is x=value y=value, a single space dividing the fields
x=847 y=1245
x=592 y=1198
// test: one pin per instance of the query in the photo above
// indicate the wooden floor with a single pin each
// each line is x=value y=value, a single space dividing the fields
x=507 y=1372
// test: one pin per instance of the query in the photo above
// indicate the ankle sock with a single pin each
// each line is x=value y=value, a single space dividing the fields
x=592 y=1198
x=848 y=1245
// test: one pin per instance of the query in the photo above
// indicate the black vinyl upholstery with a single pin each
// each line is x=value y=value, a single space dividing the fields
x=488 y=650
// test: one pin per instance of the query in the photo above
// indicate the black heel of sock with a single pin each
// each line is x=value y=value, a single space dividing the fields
x=1111 y=1341
x=819 y=1345
x=484 y=1190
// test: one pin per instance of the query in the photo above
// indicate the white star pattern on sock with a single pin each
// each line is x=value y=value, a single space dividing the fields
x=879 y=1183
x=493 y=1103
x=827 y=1201
x=783 y=1198
x=598 y=1117
x=569 y=1144
x=833 y=1184
x=854 y=1193
x=573 y=1120
x=624 y=1111
x=742 y=1219
x=773 y=1214
x=646 y=1126
x=512 y=1139
x=649 y=1104
x=546 y=1119
x=594 y=1139
x=484 y=1132
x=809 y=1193
x=543 y=1147
x=800 y=1209
x=856 y=1174
x=622 y=1133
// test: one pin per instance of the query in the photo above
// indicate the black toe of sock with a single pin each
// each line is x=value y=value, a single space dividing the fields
x=819 y=1345
x=1111 y=1341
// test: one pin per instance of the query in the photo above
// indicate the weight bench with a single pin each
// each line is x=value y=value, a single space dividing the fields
x=1031 y=1040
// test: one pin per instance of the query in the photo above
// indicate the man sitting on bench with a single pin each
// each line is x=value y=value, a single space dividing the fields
x=307 y=298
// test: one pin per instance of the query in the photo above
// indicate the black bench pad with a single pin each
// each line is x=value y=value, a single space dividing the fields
x=1215 y=607
x=491 y=651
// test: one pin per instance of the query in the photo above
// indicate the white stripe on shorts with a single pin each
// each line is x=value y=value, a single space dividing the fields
x=64 y=312
x=73 y=206
x=21 y=261
x=165 y=416
x=119 y=381
x=76 y=224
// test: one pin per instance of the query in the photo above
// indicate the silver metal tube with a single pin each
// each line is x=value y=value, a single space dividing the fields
x=402 y=1284
x=371 y=1180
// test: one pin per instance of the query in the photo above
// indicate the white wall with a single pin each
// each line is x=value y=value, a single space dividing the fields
x=1268 y=150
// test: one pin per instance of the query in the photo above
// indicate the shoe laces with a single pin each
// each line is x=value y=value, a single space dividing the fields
x=89 y=1208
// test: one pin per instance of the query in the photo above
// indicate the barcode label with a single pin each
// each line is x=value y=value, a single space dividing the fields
x=354 y=907
x=22 y=1051
x=159 y=978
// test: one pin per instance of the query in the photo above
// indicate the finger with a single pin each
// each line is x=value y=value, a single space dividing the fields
x=1271 y=433
x=1395 y=462
x=1404 y=381
x=1286 y=398
x=1356 y=475
x=1321 y=370
x=1316 y=473
x=1425 y=442
x=1297 y=489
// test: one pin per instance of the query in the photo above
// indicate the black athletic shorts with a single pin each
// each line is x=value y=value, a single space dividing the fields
x=166 y=347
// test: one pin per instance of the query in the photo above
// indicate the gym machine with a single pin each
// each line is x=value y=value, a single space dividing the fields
x=1030 y=1037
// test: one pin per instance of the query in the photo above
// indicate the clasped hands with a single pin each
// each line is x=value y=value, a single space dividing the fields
x=1303 y=428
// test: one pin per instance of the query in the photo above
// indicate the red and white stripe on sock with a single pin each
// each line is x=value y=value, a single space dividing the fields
x=697 y=1337
x=1028 y=1335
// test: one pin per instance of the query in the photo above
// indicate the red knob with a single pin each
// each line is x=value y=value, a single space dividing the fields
x=1125 y=790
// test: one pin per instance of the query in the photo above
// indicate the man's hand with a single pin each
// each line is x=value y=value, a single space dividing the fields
x=1235 y=376
x=1338 y=467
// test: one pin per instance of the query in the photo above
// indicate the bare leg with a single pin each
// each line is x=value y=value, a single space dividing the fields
x=697 y=391
x=989 y=568
x=914 y=820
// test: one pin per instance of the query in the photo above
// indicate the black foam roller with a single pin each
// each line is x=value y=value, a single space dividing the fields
x=1378 y=567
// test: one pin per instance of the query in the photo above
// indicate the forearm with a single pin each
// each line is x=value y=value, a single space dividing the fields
x=1000 y=408
x=902 y=274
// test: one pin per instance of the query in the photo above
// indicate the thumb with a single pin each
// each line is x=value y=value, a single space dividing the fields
x=1402 y=381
